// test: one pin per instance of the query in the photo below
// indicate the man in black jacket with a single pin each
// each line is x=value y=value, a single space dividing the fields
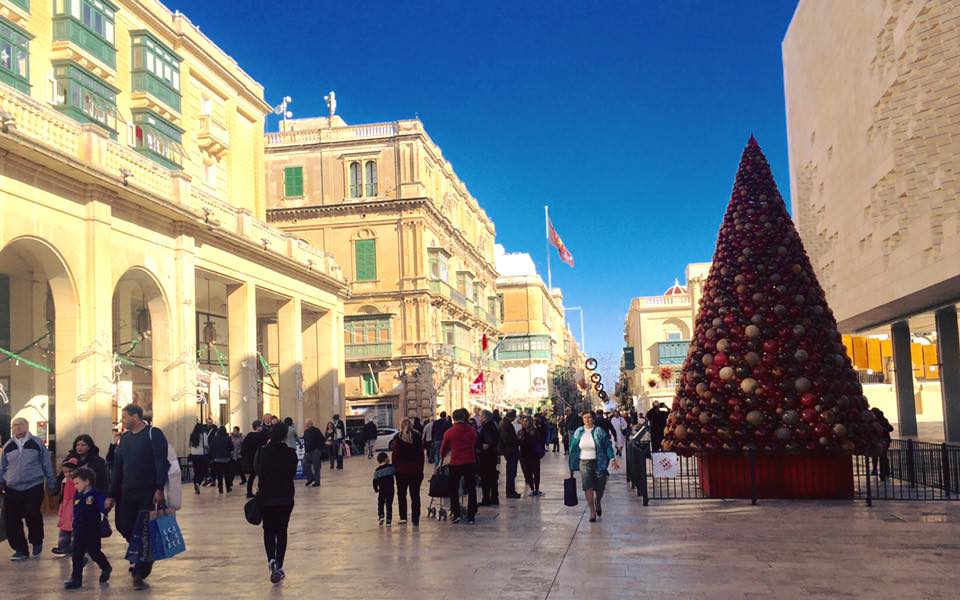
x=657 y=417
x=571 y=422
x=509 y=448
x=487 y=447
x=370 y=436
x=312 y=453
x=140 y=472
x=254 y=440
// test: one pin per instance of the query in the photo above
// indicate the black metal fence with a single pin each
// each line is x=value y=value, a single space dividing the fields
x=908 y=470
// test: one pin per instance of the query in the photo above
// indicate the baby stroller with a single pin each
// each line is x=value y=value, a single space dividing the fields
x=439 y=494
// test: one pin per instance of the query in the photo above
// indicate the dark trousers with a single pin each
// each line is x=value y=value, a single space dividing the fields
x=411 y=483
x=22 y=507
x=132 y=501
x=467 y=474
x=84 y=544
x=221 y=472
x=236 y=469
x=312 y=465
x=488 y=479
x=275 y=522
x=531 y=473
x=251 y=476
x=200 y=465
x=385 y=504
x=512 y=461
x=336 y=456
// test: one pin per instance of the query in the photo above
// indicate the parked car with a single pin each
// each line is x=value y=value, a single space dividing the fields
x=384 y=437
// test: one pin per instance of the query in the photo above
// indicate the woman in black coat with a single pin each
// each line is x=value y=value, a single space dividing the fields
x=88 y=455
x=221 y=453
x=276 y=466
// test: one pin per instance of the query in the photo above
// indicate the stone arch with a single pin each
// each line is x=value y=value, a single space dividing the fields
x=150 y=291
x=680 y=325
x=24 y=258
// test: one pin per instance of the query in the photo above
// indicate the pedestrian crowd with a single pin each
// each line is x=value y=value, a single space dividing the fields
x=140 y=473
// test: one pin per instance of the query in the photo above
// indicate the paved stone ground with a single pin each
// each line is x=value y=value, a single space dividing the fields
x=538 y=548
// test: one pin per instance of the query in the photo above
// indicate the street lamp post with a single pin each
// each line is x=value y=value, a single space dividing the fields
x=583 y=341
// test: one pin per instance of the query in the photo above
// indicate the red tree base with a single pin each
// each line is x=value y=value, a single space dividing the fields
x=776 y=476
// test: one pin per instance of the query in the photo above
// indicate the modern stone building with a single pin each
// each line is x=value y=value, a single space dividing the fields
x=135 y=260
x=416 y=247
x=873 y=111
x=656 y=336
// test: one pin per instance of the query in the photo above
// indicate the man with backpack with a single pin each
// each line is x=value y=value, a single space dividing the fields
x=140 y=474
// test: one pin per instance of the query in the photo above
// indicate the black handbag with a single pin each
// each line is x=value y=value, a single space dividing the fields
x=251 y=511
x=440 y=483
x=570 y=491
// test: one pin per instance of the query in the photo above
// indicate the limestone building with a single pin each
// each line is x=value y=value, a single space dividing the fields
x=417 y=249
x=656 y=336
x=537 y=348
x=135 y=260
x=874 y=133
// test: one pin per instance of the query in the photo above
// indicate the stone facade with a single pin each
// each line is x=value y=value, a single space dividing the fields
x=416 y=247
x=135 y=262
x=873 y=112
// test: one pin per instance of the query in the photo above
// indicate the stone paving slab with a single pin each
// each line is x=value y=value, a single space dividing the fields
x=540 y=549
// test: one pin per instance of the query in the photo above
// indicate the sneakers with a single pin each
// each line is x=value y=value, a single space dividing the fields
x=62 y=551
x=389 y=523
x=514 y=495
x=471 y=520
x=455 y=520
x=105 y=574
x=37 y=550
x=283 y=575
x=276 y=574
x=315 y=484
x=72 y=584
x=139 y=583
x=17 y=557
x=309 y=483
x=403 y=521
x=196 y=488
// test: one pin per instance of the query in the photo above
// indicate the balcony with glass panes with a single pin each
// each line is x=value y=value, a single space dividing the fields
x=157 y=139
x=366 y=337
x=89 y=24
x=84 y=97
x=14 y=57
x=156 y=69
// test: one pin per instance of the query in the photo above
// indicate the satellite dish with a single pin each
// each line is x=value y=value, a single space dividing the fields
x=277 y=110
x=287 y=114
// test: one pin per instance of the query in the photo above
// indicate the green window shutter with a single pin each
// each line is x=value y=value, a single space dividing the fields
x=293 y=182
x=366 y=259
x=369 y=385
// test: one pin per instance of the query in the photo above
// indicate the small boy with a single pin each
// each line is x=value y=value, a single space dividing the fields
x=88 y=511
x=65 y=511
x=383 y=485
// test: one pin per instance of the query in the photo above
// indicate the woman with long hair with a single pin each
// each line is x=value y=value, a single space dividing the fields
x=276 y=466
x=199 y=454
x=88 y=455
x=407 y=449
x=532 y=450
x=333 y=445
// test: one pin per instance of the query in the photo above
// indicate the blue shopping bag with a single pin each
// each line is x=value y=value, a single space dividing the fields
x=166 y=540
x=138 y=548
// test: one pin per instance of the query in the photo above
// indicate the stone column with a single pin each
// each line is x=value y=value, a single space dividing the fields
x=290 y=323
x=242 y=350
x=183 y=412
x=314 y=406
x=949 y=352
x=903 y=366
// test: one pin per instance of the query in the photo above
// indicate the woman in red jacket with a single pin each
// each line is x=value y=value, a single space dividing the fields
x=408 y=461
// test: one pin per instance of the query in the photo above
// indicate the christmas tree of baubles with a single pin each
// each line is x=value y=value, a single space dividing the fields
x=766 y=369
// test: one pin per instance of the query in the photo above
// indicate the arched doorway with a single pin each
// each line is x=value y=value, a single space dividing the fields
x=141 y=346
x=38 y=337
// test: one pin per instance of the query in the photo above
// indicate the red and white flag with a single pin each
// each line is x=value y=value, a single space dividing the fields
x=557 y=243
x=476 y=388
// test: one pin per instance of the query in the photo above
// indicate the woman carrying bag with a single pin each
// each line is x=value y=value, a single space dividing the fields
x=591 y=452
x=276 y=466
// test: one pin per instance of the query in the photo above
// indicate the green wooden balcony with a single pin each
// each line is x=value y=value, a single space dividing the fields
x=66 y=28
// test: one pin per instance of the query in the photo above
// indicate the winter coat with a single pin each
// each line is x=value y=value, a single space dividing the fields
x=221 y=448
x=488 y=436
x=461 y=442
x=509 y=444
x=532 y=445
x=95 y=463
x=312 y=439
x=369 y=431
x=276 y=466
x=604 y=449
x=252 y=442
x=408 y=456
x=22 y=469
x=65 y=512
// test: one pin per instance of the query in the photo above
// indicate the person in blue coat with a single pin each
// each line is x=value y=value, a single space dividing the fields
x=591 y=452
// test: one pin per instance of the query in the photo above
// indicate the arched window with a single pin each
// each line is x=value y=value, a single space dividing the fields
x=356 y=184
x=371 y=178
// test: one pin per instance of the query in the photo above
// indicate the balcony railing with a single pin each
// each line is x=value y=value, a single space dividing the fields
x=40 y=124
x=672 y=353
x=664 y=300
x=333 y=134
x=212 y=136
x=66 y=28
x=367 y=350
x=145 y=81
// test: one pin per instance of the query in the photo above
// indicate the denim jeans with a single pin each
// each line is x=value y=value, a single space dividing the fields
x=512 y=473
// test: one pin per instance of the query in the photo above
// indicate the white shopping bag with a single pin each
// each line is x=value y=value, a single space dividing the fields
x=665 y=464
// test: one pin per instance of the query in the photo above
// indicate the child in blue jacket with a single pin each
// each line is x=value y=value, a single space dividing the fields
x=88 y=511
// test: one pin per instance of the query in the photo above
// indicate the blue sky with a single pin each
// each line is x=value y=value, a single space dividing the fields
x=627 y=118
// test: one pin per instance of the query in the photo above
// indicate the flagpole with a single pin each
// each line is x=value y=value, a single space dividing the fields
x=546 y=227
